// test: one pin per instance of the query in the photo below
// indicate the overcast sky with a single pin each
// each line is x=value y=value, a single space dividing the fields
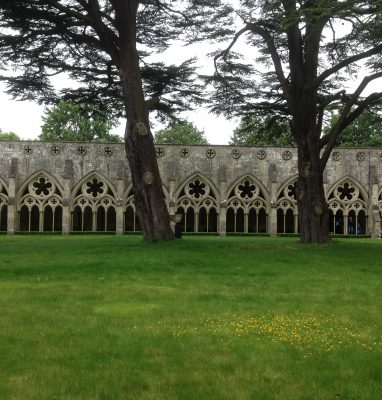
x=24 y=118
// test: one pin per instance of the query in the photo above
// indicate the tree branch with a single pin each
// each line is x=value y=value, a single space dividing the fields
x=342 y=65
x=345 y=118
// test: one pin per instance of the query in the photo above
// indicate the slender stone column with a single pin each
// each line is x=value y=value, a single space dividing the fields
x=12 y=221
x=222 y=228
x=272 y=216
x=68 y=182
x=119 y=209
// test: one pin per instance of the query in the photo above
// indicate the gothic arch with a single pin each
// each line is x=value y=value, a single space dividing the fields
x=287 y=211
x=247 y=206
x=347 y=202
x=3 y=205
x=196 y=200
x=93 y=206
x=40 y=203
x=212 y=186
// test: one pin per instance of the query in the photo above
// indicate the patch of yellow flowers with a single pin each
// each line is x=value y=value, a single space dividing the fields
x=307 y=333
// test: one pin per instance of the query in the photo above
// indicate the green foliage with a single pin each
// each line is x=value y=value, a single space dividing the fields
x=262 y=131
x=84 y=41
x=118 y=318
x=78 y=122
x=181 y=133
x=8 y=136
x=366 y=130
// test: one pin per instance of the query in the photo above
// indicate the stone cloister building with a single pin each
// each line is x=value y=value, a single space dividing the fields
x=66 y=187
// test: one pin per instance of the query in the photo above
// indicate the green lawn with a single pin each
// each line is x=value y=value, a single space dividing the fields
x=107 y=317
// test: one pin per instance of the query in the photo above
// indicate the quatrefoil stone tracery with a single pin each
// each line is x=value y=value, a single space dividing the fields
x=247 y=190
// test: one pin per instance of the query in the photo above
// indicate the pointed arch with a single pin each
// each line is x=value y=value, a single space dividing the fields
x=94 y=200
x=98 y=176
x=287 y=211
x=347 y=201
x=204 y=178
x=34 y=176
x=353 y=181
x=196 y=201
x=247 y=205
x=263 y=189
x=287 y=182
x=40 y=203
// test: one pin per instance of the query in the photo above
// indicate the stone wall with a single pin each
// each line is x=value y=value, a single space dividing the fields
x=87 y=186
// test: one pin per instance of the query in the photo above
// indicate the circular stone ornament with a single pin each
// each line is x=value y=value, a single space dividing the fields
x=210 y=153
x=360 y=156
x=261 y=154
x=336 y=156
x=287 y=155
x=236 y=153
x=148 y=178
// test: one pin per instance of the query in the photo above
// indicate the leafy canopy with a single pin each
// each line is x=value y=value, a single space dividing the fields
x=78 y=122
x=366 y=130
x=183 y=132
x=256 y=130
x=299 y=59
x=8 y=136
x=40 y=39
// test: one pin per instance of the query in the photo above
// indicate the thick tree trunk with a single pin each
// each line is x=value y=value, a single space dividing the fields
x=147 y=185
x=312 y=206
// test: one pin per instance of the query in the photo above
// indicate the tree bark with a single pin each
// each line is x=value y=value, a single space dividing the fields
x=313 y=210
x=139 y=144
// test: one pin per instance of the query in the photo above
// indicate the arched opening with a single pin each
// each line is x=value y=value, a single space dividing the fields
x=34 y=219
x=289 y=221
x=111 y=224
x=190 y=220
x=338 y=221
x=230 y=218
x=240 y=220
x=131 y=220
x=87 y=224
x=262 y=221
x=24 y=219
x=212 y=220
x=252 y=221
x=203 y=220
x=361 y=223
x=280 y=221
x=48 y=219
x=3 y=218
x=101 y=219
x=77 y=219
x=57 y=219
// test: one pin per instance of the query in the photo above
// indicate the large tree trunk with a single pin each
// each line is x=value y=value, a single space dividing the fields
x=312 y=206
x=147 y=185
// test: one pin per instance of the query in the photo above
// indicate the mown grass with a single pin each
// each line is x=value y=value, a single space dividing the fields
x=106 y=317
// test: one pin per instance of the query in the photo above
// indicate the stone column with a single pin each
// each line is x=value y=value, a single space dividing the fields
x=374 y=221
x=272 y=216
x=222 y=228
x=171 y=203
x=119 y=209
x=68 y=182
x=12 y=221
